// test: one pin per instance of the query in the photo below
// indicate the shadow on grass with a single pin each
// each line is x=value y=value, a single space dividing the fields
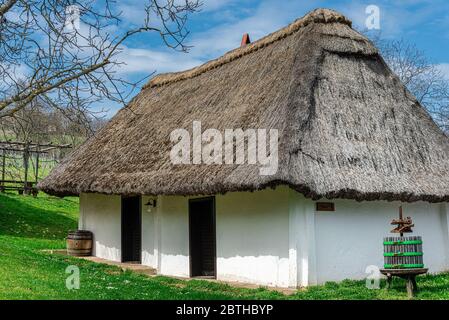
x=41 y=218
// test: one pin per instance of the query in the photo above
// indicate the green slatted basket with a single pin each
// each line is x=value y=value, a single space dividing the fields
x=403 y=253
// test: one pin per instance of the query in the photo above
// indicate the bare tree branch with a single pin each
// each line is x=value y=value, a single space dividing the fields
x=43 y=54
x=6 y=7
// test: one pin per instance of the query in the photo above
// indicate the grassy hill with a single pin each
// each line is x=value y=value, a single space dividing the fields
x=28 y=225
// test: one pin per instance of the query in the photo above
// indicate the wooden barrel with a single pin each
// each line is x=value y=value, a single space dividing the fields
x=79 y=243
x=403 y=253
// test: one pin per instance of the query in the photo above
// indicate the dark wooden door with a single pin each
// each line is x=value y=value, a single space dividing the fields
x=202 y=237
x=131 y=229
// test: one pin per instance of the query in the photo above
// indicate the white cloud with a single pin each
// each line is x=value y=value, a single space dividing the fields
x=147 y=61
x=268 y=17
x=132 y=13
x=212 y=5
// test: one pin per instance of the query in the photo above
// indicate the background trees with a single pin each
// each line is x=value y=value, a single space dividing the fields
x=422 y=77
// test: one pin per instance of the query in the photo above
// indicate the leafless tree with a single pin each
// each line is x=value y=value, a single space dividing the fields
x=37 y=122
x=45 y=56
x=422 y=77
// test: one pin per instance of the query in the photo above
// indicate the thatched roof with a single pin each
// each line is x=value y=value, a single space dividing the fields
x=348 y=127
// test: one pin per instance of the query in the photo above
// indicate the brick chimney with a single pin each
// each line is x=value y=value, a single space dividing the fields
x=245 y=40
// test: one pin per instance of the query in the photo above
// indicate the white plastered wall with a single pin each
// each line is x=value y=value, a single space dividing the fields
x=252 y=236
x=270 y=237
x=350 y=239
x=101 y=214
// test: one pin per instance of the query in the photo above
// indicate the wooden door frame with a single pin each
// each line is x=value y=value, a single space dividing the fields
x=121 y=226
x=214 y=230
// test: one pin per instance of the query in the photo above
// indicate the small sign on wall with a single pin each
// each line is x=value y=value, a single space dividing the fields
x=325 y=206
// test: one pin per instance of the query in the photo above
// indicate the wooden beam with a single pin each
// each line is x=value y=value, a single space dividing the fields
x=3 y=165
x=21 y=150
x=34 y=144
x=14 y=181
x=49 y=148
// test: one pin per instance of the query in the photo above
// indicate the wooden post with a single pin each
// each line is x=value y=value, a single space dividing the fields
x=389 y=281
x=3 y=170
x=26 y=156
x=37 y=166
x=411 y=286
x=34 y=189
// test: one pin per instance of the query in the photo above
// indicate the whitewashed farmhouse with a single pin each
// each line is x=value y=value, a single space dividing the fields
x=354 y=144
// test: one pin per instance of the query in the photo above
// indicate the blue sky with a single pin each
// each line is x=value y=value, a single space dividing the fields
x=220 y=24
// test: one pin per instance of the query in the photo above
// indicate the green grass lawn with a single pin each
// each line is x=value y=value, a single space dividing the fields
x=28 y=225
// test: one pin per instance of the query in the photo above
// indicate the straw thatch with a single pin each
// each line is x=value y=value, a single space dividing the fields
x=347 y=126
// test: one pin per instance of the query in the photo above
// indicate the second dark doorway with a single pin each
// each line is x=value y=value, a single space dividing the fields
x=202 y=237
x=131 y=229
